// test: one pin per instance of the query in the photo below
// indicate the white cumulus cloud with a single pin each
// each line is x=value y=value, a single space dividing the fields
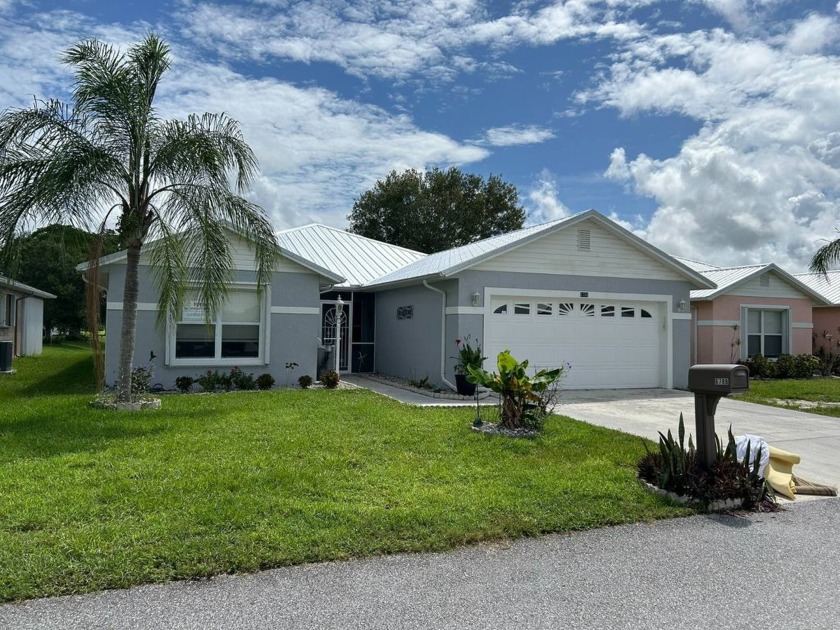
x=760 y=182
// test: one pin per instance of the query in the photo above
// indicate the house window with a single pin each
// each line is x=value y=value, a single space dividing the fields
x=628 y=311
x=544 y=308
x=501 y=310
x=7 y=309
x=521 y=308
x=233 y=336
x=766 y=332
x=607 y=311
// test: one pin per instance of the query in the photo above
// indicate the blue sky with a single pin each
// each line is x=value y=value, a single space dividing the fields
x=709 y=127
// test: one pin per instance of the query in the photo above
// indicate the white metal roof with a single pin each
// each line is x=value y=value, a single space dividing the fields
x=824 y=284
x=696 y=264
x=304 y=261
x=356 y=258
x=727 y=278
x=451 y=261
x=19 y=287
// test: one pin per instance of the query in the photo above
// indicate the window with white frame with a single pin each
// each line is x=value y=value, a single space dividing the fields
x=233 y=336
x=766 y=331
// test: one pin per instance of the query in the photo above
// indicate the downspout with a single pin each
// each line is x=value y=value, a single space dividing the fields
x=695 y=350
x=442 y=335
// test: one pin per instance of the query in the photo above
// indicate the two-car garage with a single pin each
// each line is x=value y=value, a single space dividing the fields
x=604 y=343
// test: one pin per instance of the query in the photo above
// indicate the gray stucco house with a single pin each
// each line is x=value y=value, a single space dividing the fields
x=580 y=290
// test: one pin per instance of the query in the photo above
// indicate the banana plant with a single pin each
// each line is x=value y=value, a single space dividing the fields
x=517 y=390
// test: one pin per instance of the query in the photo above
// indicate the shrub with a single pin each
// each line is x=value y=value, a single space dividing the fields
x=141 y=380
x=305 y=381
x=210 y=381
x=760 y=367
x=184 y=383
x=265 y=381
x=828 y=352
x=678 y=470
x=330 y=379
x=828 y=362
x=786 y=366
x=242 y=380
x=805 y=365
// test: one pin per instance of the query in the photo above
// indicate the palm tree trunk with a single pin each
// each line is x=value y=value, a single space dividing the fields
x=129 y=321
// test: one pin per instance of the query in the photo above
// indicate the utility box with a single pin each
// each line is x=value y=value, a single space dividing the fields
x=7 y=350
x=709 y=383
x=719 y=379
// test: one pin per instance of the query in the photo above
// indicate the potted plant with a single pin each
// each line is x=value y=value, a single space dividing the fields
x=468 y=357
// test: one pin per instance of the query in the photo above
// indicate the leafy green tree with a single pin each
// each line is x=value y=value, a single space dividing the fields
x=168 y=180
x=826 y=256
x=436 y=210
x=47 y=259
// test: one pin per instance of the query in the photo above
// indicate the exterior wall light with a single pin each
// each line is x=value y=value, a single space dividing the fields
x=476 y=298
x=681 y=306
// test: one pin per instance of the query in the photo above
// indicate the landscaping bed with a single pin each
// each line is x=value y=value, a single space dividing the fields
x=237 y=482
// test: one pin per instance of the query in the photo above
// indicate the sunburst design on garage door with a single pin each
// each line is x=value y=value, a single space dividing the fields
x=609 y=343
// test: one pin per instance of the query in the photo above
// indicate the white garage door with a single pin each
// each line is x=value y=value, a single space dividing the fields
x=608 y=343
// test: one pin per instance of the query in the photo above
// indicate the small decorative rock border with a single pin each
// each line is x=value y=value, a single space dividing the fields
x=489 y=428
x=720 y=505
x=150 y=403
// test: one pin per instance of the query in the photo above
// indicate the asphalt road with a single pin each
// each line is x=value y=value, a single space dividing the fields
x=772 y=570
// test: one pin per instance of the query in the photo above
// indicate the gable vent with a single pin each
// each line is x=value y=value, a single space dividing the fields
x=764 y=280
x=584 y=240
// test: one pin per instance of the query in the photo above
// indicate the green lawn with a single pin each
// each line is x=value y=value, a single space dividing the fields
x=223 y=483
x=817 y=390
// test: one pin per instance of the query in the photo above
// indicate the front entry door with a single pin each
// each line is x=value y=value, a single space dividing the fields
x=330 y=321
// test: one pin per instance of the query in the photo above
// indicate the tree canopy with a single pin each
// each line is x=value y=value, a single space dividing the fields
x=436 y=210
x=108 y=151
x=46 y=259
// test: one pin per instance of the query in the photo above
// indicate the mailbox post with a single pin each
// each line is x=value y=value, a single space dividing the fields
x=709 y=383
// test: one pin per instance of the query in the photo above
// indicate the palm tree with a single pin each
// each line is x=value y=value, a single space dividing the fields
x=826 y=256
x=169 y=181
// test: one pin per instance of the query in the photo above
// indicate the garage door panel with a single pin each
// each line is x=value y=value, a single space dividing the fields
x=609 y=343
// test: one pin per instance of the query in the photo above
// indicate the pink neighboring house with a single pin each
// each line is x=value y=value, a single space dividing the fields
x=826 y=318
x=756 y=309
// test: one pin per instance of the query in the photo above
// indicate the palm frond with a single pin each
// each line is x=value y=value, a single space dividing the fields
x=826 y=257
x=204 y=150
x=170 y=269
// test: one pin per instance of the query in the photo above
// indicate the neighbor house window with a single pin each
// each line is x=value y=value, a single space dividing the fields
x=7 y=309
x=233 y=335
x=767 y=332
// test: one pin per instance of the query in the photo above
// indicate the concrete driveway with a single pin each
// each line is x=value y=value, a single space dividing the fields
x=646 y=411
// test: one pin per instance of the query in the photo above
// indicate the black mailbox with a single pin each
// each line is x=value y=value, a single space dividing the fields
x=719 y=379
x=709 y=383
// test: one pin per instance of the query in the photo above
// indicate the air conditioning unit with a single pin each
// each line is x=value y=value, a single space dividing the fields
x=7 y=350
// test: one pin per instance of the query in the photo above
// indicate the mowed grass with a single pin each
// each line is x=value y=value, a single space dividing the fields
x=224 y=483
x=818 y=390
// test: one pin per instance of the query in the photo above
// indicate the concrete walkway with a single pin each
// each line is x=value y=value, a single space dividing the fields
x=410 y=397
x=757 y=571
